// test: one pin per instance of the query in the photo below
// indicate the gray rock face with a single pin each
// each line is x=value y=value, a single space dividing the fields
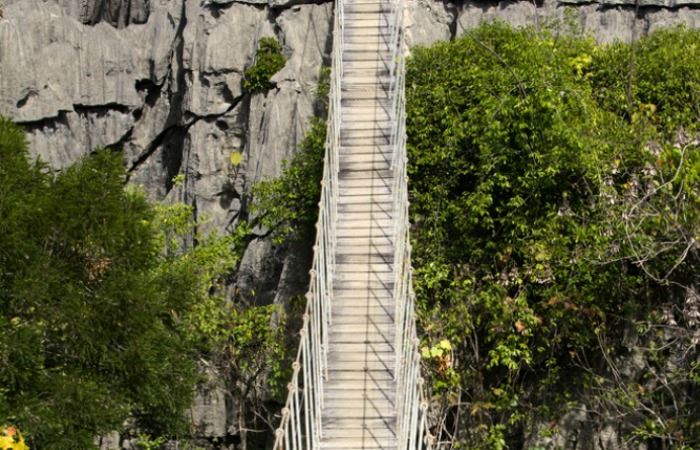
x=582 y=428
x=74 y=86
x=210 y=415
x=162 y=80
x=607 y=20
x=118 y=13
x=428 y=21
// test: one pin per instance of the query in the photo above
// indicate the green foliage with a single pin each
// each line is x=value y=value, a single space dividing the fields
x=323 y=90
x=658 y=72
x=254 y=347
x=551 y=214
x=268 y=61
x=95 y=300
x=288 y=205
x=146 y=442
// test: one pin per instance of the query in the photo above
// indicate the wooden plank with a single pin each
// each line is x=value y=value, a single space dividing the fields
x=359 y=395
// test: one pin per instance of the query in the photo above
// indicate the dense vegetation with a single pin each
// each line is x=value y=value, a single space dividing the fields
x=268 y=61
x=106 y=309
x=555 y=189
x=101 y=309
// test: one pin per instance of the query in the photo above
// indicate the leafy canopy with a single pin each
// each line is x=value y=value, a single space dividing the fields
x=268 y=61
x=96 y=301
x=555 y=191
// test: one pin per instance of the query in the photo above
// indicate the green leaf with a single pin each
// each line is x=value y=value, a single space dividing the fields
x=236 y=158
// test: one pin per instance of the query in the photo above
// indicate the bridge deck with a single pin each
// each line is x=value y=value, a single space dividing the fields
x=359 y=398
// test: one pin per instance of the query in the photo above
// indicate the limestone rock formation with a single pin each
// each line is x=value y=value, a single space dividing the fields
x=166 y=89
x=605 y=20
x=118 y=13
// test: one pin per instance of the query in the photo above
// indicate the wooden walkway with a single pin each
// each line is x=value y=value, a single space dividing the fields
x=359 y=397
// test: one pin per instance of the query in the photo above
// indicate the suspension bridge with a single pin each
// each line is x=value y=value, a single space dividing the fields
x=356 y=380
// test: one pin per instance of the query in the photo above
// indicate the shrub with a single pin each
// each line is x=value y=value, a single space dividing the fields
x=550 y=216
x=268 y=61
x=287 y=206
x=96 y=297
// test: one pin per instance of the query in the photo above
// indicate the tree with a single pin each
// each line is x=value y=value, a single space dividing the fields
x=555 y=207
x=97 y=301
